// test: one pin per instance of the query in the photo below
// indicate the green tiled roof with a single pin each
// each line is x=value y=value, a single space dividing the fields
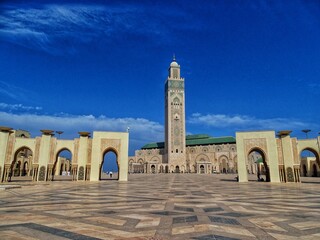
x=153 y=145
x=197 y=136
x=210 y=140
x=193 y=140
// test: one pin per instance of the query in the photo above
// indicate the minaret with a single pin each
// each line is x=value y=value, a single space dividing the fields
x=175 y=130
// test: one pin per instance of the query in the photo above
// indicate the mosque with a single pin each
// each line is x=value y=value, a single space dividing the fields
x=181 y=153
x=276 y=155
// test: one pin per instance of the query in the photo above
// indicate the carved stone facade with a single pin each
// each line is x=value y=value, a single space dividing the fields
x=281 y=155
x=198 y=159
x=256 y=152
x=39 y=157
x=180 y=153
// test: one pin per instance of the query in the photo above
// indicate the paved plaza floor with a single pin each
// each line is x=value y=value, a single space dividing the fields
x=171 y=206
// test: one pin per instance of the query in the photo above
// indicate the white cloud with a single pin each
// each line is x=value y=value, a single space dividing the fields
x=12 y=91
x=142 y=131
x=241 y=122
x=55 y=28
x=18 y=107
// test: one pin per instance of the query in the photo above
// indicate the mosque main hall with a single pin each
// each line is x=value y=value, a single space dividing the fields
x=181 y=153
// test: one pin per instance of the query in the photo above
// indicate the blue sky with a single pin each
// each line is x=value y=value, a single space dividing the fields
x=101 y=65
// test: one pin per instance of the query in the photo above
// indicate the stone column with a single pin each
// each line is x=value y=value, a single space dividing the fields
x=4 y=137
x=44 y=154
x=49 y=174
x=8 y=173
x=21 y=167
x=82 y=155
x=242 y=167
x=218 y=167
x=287 y=153
x=74 y=172
x=88 y=168
x=35 y=171
x=145 y=168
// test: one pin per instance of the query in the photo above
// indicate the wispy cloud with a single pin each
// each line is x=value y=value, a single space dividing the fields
x=142 y=130
x=242 y=122
x=57 y=28
x=14 y=92
x=52 y=28
x=18 y=107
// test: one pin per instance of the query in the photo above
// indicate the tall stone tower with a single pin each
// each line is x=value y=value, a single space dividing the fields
x=175 y=132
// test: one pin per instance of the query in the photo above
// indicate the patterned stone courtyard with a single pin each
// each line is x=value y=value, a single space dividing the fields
x=172 y=206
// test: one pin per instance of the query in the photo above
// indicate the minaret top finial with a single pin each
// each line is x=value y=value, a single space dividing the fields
x=174 y=57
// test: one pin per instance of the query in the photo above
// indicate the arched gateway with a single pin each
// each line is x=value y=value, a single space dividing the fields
x=280 y=155
x=86 y=154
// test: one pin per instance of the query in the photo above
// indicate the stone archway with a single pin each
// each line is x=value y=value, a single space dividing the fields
x=62 y=166
x=263 y=141
x=153 y=169
x=110 y=157
x=202 y=160
x=87 y=153
x=103 y=142
x=309 y=160
x=131 y=170
x=140 y=168
x=20 y=165
x=261 y=164
x=223 y=164
x=201 y=169
x=183 y=169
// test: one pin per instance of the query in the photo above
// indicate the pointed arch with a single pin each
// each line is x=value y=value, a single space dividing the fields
x=202 y=158
x=22 y=162
x=313 y=151
x=62 y=166
x=113 y=153
x=264 y=167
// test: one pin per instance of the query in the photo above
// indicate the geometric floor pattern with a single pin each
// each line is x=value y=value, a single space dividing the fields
x=171 y=206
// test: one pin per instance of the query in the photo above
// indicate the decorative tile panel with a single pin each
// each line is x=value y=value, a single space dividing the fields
x=76 y=151
x=9 y=152
x=37 y=150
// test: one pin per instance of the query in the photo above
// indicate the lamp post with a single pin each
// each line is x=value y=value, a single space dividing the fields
x=306 y=132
